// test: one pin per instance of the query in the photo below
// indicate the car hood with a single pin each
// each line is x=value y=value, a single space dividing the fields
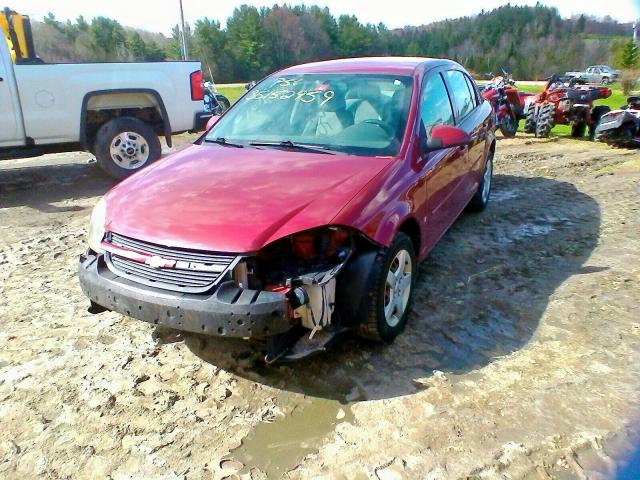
x=225 y=199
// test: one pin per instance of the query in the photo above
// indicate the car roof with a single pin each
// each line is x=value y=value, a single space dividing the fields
x=377 y=65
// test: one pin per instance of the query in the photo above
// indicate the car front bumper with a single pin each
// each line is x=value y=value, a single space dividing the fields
x=229 y=311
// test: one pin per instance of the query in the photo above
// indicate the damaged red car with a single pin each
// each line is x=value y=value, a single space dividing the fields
x=304 y=210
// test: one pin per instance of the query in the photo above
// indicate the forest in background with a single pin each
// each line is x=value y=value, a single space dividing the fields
x=530 y=42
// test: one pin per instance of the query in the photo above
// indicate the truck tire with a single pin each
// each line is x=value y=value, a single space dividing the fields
x=390 y=291
x=596 y=115
x=546 y=120
x=124 y=145
x=530 y=119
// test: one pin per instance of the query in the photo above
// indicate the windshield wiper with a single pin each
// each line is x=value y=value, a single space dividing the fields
x=223 y=141
x=288 y=144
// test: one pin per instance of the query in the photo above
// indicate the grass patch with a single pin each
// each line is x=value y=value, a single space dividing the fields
x=232 y=93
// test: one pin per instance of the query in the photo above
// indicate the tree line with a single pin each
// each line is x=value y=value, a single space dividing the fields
x=530 y=42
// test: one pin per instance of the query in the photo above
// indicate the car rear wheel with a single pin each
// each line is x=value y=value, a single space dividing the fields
x=124 y=145
x=390 y=291
x=481 y=198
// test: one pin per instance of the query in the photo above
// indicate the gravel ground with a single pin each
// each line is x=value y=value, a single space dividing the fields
x=520 y=360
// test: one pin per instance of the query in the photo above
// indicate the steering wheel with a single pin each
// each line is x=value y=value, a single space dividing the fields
x=382 y=125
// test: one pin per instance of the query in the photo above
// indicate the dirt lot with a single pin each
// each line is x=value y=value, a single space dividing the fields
x=521 y=358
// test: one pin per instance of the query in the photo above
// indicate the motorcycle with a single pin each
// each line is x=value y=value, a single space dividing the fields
x=507 y=102
x=214 y=102
x=621 y=127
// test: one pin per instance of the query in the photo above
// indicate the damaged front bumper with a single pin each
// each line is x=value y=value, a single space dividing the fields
x=229 y=311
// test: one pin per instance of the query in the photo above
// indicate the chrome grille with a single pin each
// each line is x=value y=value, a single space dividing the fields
x=187 y=280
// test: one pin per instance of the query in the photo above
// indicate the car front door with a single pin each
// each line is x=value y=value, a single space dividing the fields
x=440 y=171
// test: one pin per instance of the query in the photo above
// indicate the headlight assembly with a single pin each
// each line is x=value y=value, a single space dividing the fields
x=96 y=226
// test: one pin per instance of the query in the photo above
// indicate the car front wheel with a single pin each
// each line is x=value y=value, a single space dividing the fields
x=390 y=291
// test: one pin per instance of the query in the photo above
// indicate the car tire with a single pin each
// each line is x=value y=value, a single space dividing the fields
x=605 y=81
x=480 y=199
x=596 y=114
x=546 y=120
x=530 y=119
x=390 y=291
x=124 y=145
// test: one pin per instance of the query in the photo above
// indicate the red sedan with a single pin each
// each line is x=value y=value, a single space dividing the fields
x=304 y=210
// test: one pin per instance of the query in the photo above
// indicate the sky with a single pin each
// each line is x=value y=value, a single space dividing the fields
x=161 y=15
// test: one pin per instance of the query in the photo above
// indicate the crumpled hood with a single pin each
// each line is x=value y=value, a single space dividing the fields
x=226 y=199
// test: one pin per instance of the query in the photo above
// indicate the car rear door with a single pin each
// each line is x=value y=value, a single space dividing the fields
x=470 y=118
x=441 y=169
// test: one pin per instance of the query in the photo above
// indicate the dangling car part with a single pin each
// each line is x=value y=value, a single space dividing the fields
x=621 y=127
x=303 y=211
x=506 y=101
x=565 y=100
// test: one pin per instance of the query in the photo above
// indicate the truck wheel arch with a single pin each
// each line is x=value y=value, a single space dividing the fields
x=85 y=109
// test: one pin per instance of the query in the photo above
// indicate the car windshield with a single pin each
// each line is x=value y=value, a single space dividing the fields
x=359 y=114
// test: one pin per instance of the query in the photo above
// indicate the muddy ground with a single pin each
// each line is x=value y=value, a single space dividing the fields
x=521 y=358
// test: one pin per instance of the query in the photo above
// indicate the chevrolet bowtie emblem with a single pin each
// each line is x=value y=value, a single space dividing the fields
x=159 y=262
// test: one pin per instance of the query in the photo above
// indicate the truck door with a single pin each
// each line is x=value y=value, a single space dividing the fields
x=11 y=133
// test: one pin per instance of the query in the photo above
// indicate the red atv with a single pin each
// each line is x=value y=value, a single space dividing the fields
x=507 y=103
x=565 y=101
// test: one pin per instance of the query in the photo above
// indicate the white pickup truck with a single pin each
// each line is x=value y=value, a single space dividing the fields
x=114 y=110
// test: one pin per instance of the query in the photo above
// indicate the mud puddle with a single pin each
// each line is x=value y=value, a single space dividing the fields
x=278 y=447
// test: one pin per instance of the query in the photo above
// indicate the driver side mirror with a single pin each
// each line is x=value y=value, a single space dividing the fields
x=443 y=136
x=212 y=121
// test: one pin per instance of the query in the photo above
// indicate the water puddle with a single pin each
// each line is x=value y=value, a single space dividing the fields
x=278 y=447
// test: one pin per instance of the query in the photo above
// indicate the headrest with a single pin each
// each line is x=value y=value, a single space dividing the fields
x=365 y=91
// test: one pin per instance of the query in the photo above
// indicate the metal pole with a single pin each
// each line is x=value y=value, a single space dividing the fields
x=185 y=51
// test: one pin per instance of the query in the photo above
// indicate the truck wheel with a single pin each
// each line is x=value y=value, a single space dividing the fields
x=596 y=114
x=530 y=119
x=390 y=291
x=546 y=120
x=124 y=145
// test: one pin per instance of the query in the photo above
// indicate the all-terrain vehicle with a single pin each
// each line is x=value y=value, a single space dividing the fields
x=621 y=127
x=507 y=102
x=565 y=101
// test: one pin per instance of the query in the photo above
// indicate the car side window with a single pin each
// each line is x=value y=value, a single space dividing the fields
x=435 y=106
x=473 y=89
x=462 y=99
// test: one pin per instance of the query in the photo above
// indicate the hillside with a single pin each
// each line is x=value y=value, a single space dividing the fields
x=531 y=42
